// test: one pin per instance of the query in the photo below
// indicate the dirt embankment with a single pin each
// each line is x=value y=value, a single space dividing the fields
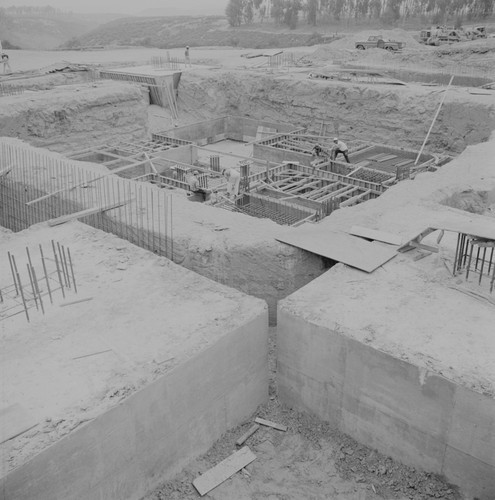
x=72 y=117
x=399 y=116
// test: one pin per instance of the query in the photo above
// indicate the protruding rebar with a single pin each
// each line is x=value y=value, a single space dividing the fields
x=61 y=259
x=58 y=269
x=46 y=274
x=72 y=270
x=37 y=289
x=13 y=273
x=35 y=295
x=22 y=294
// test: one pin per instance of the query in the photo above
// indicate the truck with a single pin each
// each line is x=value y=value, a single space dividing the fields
x=377 y=41
x=442 y=34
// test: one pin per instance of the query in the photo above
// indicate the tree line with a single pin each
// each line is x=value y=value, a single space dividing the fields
x=313 y=12
x=29 y=10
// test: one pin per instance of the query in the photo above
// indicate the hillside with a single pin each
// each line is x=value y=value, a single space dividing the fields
x=171 y=32
x=43 y=32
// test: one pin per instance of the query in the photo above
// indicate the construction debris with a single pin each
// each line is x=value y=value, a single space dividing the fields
x=247 y=435
x=222 y=471
x=267 y=423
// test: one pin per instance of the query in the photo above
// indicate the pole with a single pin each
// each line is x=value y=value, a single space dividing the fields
x=434 y=120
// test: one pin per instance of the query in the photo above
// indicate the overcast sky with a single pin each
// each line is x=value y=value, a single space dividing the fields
x=127 y=6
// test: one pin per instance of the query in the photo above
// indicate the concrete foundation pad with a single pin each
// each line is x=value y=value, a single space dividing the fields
x=130 y=385
x=419 y=389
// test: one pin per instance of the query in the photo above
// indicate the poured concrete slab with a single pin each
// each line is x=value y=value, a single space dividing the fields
x=130 y=385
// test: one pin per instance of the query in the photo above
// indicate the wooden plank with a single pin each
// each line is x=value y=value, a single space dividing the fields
x=340 y=247
x=354 y=199
x=247 y=435
x=14 y=421
x=373 y=234
x=84 y=213
x=268 y=423
x=222 y=471
x=386 y=158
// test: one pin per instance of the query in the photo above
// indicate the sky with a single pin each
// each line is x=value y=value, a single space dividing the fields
x=127 y=6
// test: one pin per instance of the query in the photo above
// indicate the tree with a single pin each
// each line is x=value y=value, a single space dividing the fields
x=248 y=12
x=312 y=9
x=278 y=10
x=234 y=11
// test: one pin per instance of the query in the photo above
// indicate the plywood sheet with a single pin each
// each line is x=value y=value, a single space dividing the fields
x=341 y=247
x=222 y=471
x=373 y=234
x=14 y=420
x=480 y=228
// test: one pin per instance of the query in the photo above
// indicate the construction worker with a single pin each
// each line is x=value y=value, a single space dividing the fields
x=186 y=54
x=6 y=65
x=234 y=179
x=340 y=147
x=317 y=150
x=193 y=182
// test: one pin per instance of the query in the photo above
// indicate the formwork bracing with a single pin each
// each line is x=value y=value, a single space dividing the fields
x=40 y=187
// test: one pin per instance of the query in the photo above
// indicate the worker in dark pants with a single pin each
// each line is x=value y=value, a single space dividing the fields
x=340 y=147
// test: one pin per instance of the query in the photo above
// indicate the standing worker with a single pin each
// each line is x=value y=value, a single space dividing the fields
x=340 y=147
x=188 y=60
x=5 y=62
x=234 y=179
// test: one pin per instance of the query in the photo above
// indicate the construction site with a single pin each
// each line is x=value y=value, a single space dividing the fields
x=323 y=328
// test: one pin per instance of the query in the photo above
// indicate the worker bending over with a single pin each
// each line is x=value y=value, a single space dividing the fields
x=340 y=147
x=233 y=181
x=193 y=182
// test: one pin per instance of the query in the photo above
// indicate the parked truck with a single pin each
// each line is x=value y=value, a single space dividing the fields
x=377 y=41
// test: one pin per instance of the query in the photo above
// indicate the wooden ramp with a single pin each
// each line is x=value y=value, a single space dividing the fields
x=340 y=247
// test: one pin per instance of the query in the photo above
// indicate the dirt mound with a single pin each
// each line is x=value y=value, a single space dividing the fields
x=475 y=202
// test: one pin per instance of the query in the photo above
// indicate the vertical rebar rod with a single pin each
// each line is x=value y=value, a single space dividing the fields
x=22 y=294
x=35 y=296
x=13 y=273
x=37 y=288
x=171 y=229
x=457 y=253
x=46 y=274
x=165 y=206
x=29 y=257
x=66 y=266
x=58 y=269
x=491 y=261
x=72 y=270
x=62 y=265
x=482 y=265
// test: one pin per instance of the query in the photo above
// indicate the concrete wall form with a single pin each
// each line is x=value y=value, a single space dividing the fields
x=236 y=128
x=265 y=268
x=151 y=435
x=404 y=411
